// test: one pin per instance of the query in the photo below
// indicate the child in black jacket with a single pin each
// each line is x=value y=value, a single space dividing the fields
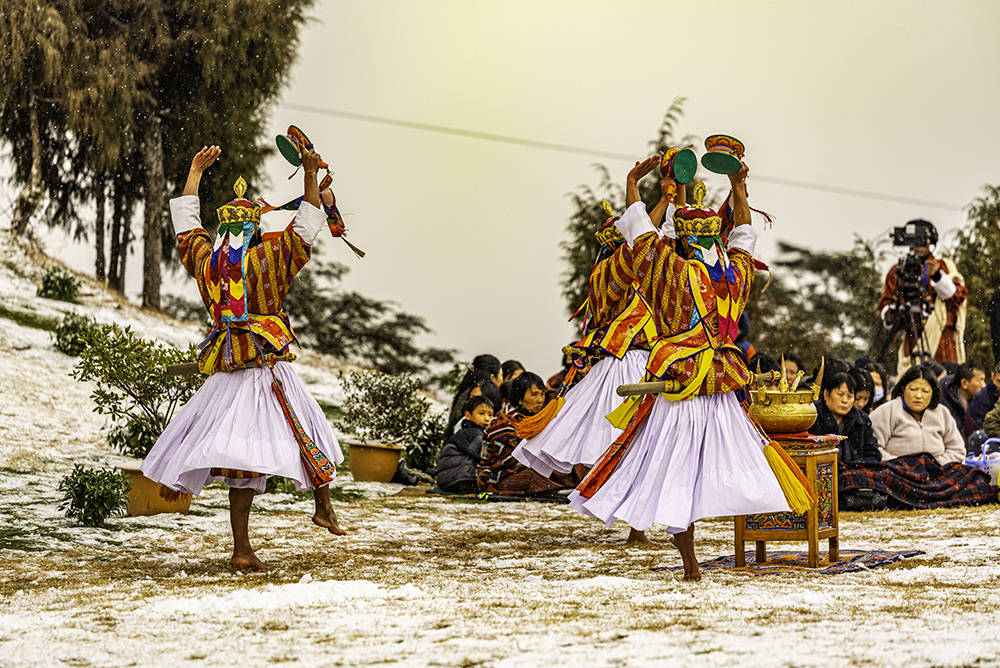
x=456 y=469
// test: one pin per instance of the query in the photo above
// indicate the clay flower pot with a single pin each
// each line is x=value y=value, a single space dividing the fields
x=374 y=462
x=150 y=498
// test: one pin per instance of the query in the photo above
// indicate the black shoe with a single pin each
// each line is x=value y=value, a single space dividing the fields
x=862 y=500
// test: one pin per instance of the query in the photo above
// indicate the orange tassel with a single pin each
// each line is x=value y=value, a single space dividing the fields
x=533 y=425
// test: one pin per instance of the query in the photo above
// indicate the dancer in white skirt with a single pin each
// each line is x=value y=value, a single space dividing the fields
x=576 y=432
x=692 y=453
x=253 y=417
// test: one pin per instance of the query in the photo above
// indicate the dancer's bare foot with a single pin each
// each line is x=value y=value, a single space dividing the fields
x=324 y=515
x=328 y=520
x=684 y=542
x=247 y=562
x=638 y=538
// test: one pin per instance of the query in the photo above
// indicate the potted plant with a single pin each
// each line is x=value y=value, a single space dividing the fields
x=387 y=414
x=133 y=387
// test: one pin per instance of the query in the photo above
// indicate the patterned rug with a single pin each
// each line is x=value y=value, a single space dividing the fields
x=795 y=562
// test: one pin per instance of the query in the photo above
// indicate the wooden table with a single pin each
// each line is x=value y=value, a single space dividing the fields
x=817 y=457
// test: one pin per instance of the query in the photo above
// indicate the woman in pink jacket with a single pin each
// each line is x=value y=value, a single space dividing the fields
x=915 y=421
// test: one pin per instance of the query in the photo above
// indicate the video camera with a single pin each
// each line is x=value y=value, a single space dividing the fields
x=911 y=307
x=915 y=234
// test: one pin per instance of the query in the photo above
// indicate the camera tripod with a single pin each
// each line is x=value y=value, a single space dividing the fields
x=909 y=319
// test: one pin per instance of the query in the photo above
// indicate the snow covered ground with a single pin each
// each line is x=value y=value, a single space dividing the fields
x=430 y=581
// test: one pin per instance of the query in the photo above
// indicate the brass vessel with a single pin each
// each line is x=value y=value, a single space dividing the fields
x=783 y=412
x=786 y=410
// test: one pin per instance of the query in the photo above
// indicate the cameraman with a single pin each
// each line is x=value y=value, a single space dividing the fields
x=930 y=288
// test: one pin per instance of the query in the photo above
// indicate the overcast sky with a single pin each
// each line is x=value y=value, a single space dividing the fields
x=894 y=98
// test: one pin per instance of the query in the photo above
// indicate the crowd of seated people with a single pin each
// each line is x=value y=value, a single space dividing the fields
x=903 y=445
x=477 y=455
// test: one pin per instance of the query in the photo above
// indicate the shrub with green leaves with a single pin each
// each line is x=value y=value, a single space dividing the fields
x=383 y=407
x=131 y=380
x=423 y=454
x=91 y=496
x=59 y=283
x=69 y=334
x=135 y=438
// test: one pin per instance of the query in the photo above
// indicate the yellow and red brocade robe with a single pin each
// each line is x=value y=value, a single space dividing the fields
x=623 y=320
x=270 y=268
x=686 y=302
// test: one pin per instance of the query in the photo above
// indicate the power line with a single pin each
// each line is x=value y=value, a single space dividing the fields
x=594 y=152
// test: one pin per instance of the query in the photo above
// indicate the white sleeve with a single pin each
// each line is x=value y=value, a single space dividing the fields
x=634 y=223
x=185 y=213
x=308 y=221
x=667 y=230
x=743 y=237
x=945 y=288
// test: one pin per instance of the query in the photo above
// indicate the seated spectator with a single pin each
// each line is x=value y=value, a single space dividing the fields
x=456 y=469
x=511 y=369
x=922 y=451
x=957 y=390
x=986 y=398
x=880 y=393
x=916 y=422
x=864 y=397
x=837 y=413
x=793 y=364
x=991 y=423
x=483 y=368
x=938 y=370
x=499 y=472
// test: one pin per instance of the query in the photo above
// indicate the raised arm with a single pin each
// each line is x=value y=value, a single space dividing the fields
x=668 y=190
x=636 y=173
x=741 y=207
x=202 y=160
x=311 y=162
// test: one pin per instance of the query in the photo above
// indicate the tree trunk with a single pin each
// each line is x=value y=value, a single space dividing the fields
x=154 y=205
x=99 y=198
x=31 y=194
x=117 y=199
x=126 y=239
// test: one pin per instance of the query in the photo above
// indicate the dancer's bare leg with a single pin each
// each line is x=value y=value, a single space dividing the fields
x=684 y=542
x=636 y=537
x=239 y=518
x=324 y=515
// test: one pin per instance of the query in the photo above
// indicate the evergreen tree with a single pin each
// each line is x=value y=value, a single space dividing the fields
x=820 y=303
x=976 y=255
x=581 y=246
x=357 y=328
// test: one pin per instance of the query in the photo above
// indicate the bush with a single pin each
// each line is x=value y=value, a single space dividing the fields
x=383 y=407
x=91 y=496
x=135 y=438
x=132 y=384
x=424 y=453
x=69 y=333
x=58 y=283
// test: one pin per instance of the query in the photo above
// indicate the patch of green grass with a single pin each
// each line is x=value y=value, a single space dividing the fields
x=29 y=319
x=346 y=495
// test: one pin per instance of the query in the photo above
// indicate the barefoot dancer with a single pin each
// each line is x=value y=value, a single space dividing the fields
x=253 y=417
x=574 y=431
x=692 y=453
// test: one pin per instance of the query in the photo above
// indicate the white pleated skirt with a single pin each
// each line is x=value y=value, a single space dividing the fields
x=234 y=421
x=691 y=460
x=580 y=433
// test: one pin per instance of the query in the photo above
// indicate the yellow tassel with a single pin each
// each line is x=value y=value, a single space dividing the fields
x=621 y=416
x=533 y=425
x=799 y=496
